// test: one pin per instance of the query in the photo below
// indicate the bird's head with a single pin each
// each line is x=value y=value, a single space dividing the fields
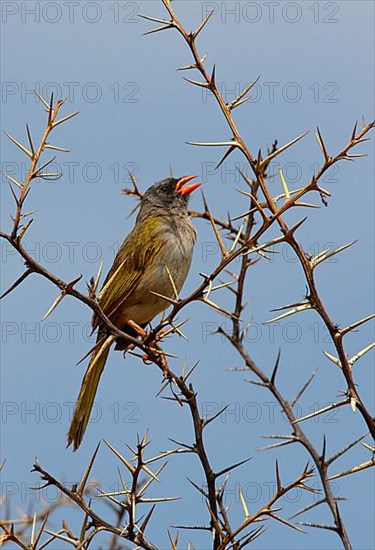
x=168 y=195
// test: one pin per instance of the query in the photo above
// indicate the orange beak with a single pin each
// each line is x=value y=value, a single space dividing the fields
x=183 y=189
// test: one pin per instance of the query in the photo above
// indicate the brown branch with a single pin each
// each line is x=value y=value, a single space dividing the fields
x=258 y=166
x=245 y=240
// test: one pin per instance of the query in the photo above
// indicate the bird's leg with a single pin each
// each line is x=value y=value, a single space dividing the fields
x=138 y=329
x=159 y=358
x=141 y=333
x=134 y=330
x=155 y=349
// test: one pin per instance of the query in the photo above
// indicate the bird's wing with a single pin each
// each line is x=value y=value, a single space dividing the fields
x=136 y=253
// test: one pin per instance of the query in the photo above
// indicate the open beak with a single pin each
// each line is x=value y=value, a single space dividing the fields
x=184 y=189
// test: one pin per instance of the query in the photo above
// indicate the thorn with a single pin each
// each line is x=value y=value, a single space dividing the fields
x=323 y=257
x=277 y=152
x=278 y=480
x=64 y=119
x=344 y=450
x=213 y=143
x=22 y=147
x=206 y=422
x=237 y=102
x=186 y=376
x=30 y=141
x=310 y=506
x=198 y=488
x=235 y=242
x=323 y=455
x=56 y=148
x=278 y=518
x=360 y=354
x=82 y=484
x=254 y=382
x=12 y=180
x=91 y=350
x=333 y=358
x=292 y=230
x=354 y=131
x=307 y=205
x=159 y=499
x=355 y=156
x=212 y=79
x=245 y=509
x=254 y=534
x=192 y=527
x=195 y=34
x=293 y=311
x=196 y=83
x=69 y=286
x=18 y=281
x=174 y=542
x=54 y=305
x=275 y=367
x=163 y=455
x=321 y=411
x=243 y=215
x=166 y=298
x=50 y=110
x=16 y=200
x=223 y=285
x=155 y=19
x=41 y=99
x=48 y=176
x=123 y=460
x=284 y=184
x=193 y=66
x=146 y=520
x=97 y=279
x=188 y=447
x=232 y=467
x=43 y=166
x=302 y=390
x=174 y=287
x=225 y=156
x=276 y=445
x=219 y=309
x=151 y=479
x=41 y=530
x=158 y=29
x=369 y=447
x=220 y=241
x=33 y=530
x=355 y=469
x=319 y=139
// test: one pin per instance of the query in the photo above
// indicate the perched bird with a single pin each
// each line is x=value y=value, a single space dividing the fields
x=154 y=257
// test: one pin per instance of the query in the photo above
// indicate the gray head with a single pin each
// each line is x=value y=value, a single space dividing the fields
x=166 y=197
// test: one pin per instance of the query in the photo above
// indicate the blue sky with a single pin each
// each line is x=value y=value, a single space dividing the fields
x=136 y=112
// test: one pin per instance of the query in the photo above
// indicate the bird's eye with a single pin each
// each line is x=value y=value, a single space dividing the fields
x=164 y=188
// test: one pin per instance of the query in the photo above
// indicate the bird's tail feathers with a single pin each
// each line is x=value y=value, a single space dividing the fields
x=87 y=392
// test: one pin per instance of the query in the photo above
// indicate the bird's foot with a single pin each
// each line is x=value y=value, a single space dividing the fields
x=157 y=357
x=155 y=352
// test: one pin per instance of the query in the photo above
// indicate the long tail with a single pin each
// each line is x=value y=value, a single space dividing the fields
x=85 y=401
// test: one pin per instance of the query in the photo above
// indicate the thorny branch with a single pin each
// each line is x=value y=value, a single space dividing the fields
x=245 y=241
x=258 y=165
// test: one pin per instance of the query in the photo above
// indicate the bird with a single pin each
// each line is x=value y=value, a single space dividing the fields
x=154 y=259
